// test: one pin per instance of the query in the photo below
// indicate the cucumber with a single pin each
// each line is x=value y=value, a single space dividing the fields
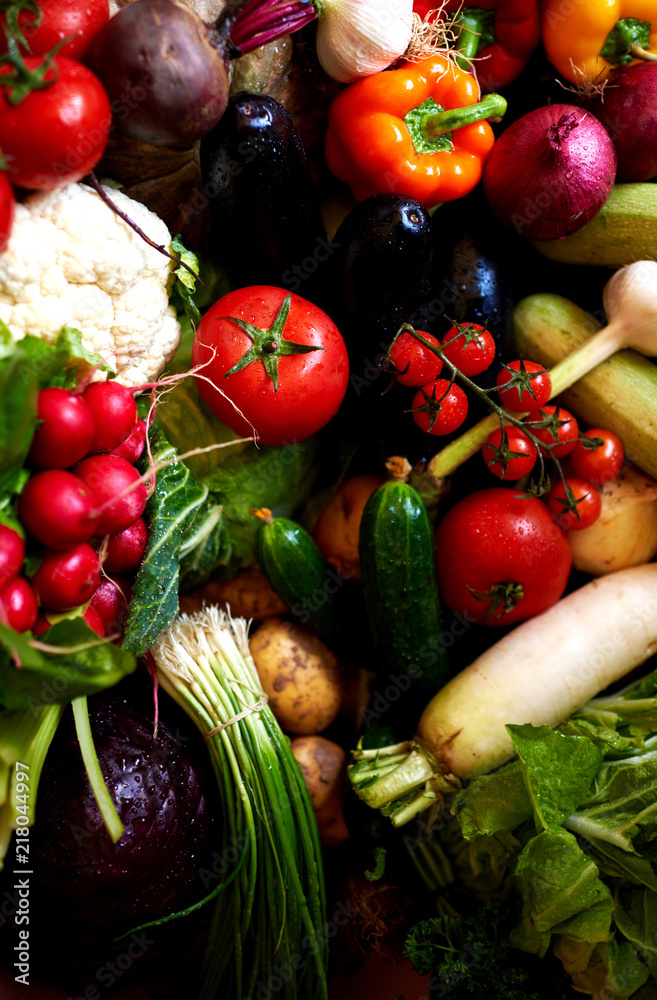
x=398 y=571
x=619 y=394
x=624 y=230
x=317 y=594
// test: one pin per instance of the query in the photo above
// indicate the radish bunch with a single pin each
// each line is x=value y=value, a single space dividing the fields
x=81 y=509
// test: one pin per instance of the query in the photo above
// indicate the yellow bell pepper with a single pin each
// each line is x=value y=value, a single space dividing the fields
x=575 y=32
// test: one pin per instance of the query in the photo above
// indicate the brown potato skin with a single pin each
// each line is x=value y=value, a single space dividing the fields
x=299 y=674
x=324 y=768
x=338 y=526
x=246 y=595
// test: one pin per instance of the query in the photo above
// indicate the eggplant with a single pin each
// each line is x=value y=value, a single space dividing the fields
x=265 y=223
x=377 y=278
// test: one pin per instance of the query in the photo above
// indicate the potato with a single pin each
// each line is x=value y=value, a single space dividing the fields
x=324 y=768
x=338 y=526
x=247 y=595
x=299 y=674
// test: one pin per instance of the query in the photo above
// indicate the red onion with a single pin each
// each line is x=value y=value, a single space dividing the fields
x=627 y=107
x=550 y=172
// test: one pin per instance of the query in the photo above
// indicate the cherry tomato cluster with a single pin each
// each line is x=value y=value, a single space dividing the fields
x=84 y=487
x=54 y=113
x=523 y=388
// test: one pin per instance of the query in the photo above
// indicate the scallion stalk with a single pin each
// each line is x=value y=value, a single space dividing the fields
x=269 y=922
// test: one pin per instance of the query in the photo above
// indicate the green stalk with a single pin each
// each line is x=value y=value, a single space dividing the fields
x=107 y=808
x=274 y=910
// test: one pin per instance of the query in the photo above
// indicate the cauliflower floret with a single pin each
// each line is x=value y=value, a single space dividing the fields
x=71 y=261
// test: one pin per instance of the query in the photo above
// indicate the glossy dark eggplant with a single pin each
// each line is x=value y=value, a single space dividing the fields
x=266 y=225
x=377 y=277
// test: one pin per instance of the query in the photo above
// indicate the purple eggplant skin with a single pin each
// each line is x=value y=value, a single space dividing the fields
x=627 y=108
x=162 y=789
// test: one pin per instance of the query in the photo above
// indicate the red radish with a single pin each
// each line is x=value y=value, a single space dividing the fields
x=64 y=580
x=125 y=550
x=108 y=476
x=94 y=621
x=67 y=431
x=550 y=171
x=12 y=553
x=56 y=507
x=110 y=599
x=133 y=446
x=115 y=413
x=18 y=605
x=627 y=107
x=7 y=210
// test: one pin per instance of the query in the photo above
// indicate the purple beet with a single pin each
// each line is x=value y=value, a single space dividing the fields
x=628 y=110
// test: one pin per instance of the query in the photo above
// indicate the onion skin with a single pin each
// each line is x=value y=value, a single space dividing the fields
x=166 y=80
x=628 y=110
x=550 y=172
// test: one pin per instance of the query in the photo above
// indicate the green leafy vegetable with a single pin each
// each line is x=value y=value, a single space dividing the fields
x=178 y=507
x=543 y=753
x=76 y=663
x=183 y=290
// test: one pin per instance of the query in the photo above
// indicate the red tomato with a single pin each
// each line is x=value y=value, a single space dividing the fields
x=282 y=376
x=501 y=558
x=556 y=427
x=527 y=390
x=439 y=408
x=413 y=363
x=511 y=456
x=7 y=209
x=598 y=465
x=61 y=19
x=55 y=135
x=470 y=347
x=587 y=499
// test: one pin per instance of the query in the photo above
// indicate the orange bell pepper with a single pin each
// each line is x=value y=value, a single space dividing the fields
x=417 y=131
x=575 y=33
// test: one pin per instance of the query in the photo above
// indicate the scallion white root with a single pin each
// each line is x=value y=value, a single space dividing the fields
x=271 y=915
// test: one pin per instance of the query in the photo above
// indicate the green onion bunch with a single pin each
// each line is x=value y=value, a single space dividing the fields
x=267 y=934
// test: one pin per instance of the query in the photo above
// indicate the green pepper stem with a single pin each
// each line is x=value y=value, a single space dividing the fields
x=435 y=125
x=476 y=31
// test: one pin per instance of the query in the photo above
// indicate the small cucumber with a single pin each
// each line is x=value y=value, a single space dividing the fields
x=316 y=594
x=624 y=230
x=398 y=571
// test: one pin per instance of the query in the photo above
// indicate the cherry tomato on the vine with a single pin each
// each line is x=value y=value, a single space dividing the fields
x=273 y=364
x=509 y=453
x=585 y=497
x=601 y=464
x=81 y=19
x=556 y=428
x=523 y=385
x=470 y=347
x=500 y=556
x=412 y=362
x=439 y=408
x=55 y=135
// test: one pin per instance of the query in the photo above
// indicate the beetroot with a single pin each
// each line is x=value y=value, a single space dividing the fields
x=627 y=108
x=550 y=172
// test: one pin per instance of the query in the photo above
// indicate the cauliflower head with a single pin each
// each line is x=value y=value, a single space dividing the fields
x=71 y=261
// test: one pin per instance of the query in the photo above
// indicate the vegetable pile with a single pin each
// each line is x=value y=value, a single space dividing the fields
x=328 y=498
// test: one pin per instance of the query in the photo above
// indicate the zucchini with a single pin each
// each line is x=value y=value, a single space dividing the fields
x=317 y=594
x=398 y=572
x=624 y=230
x=619 y=394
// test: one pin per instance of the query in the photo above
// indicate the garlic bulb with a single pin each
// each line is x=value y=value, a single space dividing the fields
x=357 y=38
x=625 y=534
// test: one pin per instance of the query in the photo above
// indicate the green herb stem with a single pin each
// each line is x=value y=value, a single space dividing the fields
x=107 y=808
